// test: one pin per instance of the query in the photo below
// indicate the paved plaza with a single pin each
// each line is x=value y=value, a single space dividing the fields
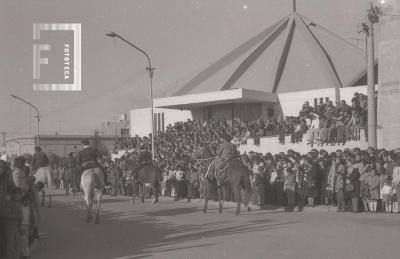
x=180 y=230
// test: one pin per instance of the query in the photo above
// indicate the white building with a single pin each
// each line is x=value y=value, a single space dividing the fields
x=270 y=75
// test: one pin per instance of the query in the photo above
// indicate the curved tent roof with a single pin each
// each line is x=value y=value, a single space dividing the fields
x=294 y=54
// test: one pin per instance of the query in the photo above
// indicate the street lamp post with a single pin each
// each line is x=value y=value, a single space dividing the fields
x=37 y=115
x=368 y=28
x=150 y=69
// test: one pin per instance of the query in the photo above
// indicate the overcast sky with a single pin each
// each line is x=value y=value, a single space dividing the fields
x=181 y=36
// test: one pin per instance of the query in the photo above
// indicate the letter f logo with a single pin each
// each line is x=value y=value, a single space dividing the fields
x=37 y=48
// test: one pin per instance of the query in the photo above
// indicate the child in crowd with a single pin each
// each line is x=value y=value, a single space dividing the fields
x=386 y=196
x=374 y=183
x=340 y=194
x=329 y=195
x=393 y=200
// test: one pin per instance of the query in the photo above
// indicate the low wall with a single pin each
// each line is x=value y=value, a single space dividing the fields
x=272 y=145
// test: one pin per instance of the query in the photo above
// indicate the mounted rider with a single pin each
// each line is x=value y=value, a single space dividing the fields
x=225 y=154
x=145 y=158
x=39 y=160
x=88 y=158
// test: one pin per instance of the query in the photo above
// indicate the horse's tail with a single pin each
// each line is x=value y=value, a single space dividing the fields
x=91 y=196
x=87 y=186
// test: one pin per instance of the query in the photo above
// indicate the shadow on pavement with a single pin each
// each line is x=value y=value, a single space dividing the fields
x=136 y=232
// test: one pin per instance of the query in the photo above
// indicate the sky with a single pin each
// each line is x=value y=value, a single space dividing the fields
x=182 y=38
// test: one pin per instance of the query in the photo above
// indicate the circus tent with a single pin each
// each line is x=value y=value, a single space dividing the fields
x=294 y=54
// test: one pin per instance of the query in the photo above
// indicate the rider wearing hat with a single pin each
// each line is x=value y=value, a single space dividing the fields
x=145 y=156
x=87 y=157
x=226 y=152
x=39 y=160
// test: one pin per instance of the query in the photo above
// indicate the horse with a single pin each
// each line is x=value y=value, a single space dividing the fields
x=76 y=180
x=45 y=176
x=92 y=185
x=236 y=175
x=69 y=173
x=142 y=176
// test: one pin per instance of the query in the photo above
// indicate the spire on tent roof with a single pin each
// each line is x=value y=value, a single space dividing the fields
x=294 y=6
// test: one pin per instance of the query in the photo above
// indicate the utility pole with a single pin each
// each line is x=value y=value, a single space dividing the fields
x=368 y=29
x=30 y=121
x=150 y=69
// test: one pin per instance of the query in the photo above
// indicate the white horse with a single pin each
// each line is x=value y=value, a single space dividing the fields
x=92 y=184
x=45 y=175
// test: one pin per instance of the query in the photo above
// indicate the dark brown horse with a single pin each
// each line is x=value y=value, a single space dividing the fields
x=143 y=176
x=69 y=173
x=237 y=176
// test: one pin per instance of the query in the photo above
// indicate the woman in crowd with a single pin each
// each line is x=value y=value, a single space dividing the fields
x=311 y=171
x=374 y=189
x=353 y=185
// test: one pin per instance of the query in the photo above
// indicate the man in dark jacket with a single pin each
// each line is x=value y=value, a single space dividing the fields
x=225 y=153
x=39 y=160
x=353 y=188
x=87 y=157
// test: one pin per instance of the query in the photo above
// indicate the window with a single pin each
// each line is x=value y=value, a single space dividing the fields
x=124 y=132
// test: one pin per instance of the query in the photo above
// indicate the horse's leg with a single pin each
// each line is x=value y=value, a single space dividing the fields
x=155 y=193
x=239 y=199
x=133 y=193
x=247 y=194
x=49 y=199
x=67 y=188
x=91 y=199
x=207 y=192
x=98 y=197
x=50 y=185
x=143 y=192
x=246 y=185
x=43 y=198
x=220 y=199
x=86 y=200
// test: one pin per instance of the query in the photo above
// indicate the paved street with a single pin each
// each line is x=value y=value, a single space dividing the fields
x=180 y=230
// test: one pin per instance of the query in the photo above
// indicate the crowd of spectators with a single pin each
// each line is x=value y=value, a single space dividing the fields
x=292 y=179
x=353 y=180
x=324 y=124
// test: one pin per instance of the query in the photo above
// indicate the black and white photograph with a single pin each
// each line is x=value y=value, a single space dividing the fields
x=199 y=129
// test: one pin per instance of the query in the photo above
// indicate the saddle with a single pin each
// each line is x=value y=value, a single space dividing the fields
x=89 y=164
x=216 y=172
